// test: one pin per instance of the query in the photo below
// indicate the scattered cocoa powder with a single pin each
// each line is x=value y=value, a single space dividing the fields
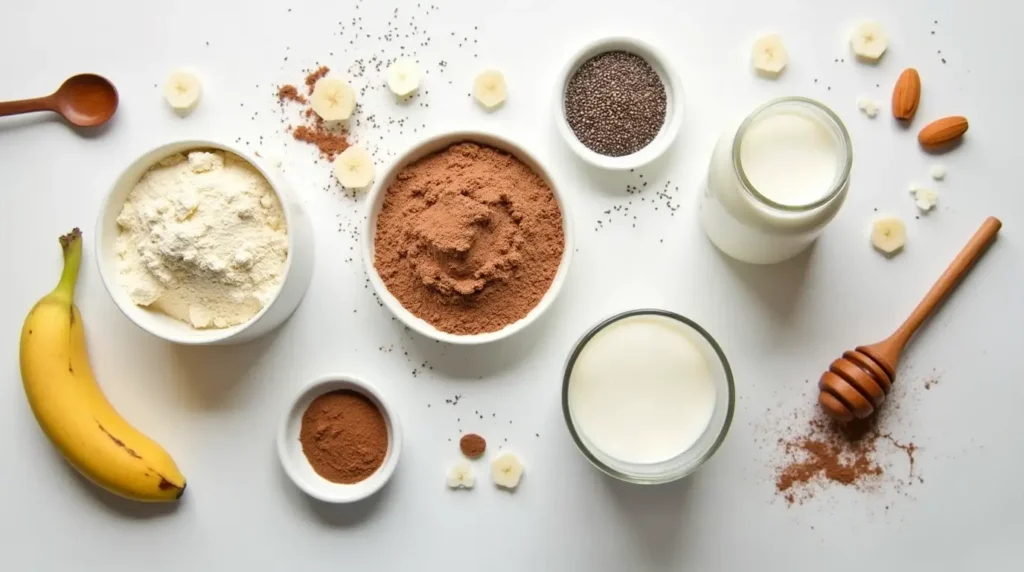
x=472 y=445
x=288 y=92
x=330 y=143
x=314 y=77
x=469 y=239
x=344 y=436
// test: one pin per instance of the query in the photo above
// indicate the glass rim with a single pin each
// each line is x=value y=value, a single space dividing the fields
x=838 y=184
x=579 y=441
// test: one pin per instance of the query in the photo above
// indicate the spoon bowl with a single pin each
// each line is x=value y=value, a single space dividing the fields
x=85 y=100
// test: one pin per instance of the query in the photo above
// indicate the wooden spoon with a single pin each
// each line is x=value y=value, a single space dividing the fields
x=857 y=383
x=85 y=100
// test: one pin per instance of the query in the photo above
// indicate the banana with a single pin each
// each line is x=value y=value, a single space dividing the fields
x=925 y=199
x=489 y=89
x=460 y=476
x=403 y=77
x=868 y=41
x=506 y=470
x=183 y=91
x=354 y=168
x=70 y=406
x=769 y=56
x=888 y=235
x=332 y=99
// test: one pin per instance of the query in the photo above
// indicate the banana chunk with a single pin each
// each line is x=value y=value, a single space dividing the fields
x=769 y=56
x=489 y=89
x=354 y=168
x=869 y=41
x=403 y=77
x=460 y=476
x=332 y=99
x=888 y=235
x=183 y=90
x=506 y=470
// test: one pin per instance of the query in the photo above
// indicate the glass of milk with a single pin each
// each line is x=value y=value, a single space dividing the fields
x=776 y=180
x=647 y=396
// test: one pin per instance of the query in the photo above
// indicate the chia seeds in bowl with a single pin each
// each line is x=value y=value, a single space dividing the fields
x=619 y=105
x=615 y=103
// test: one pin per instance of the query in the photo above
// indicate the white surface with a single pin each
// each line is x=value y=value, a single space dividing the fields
x=298 y=270
x=216 y=409
x=791 y=157
x=640 y=390
x=674 y=102
x=376 y=201
x=297 y=466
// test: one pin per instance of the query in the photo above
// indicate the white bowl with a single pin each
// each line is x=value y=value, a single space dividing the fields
x=673 y=111
x=297 y=272
x=376 y=199
x=294 y=461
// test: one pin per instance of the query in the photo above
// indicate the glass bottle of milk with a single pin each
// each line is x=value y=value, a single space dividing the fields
x=776 y=180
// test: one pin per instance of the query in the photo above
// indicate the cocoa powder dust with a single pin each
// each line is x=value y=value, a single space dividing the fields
x=344 y=436
x=469 y=239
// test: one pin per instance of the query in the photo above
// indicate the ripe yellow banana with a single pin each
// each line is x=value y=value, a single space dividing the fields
x=71 y=408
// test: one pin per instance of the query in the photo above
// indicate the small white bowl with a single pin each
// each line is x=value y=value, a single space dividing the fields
x=376 y=199
x=673 y=111
x=297 y=466
x=297 y=272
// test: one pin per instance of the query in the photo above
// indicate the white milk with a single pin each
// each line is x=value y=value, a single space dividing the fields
x=640 y=391
x=776 y=181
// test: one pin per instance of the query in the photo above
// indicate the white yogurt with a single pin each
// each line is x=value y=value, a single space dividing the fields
x=776 y=181
x=640 y=390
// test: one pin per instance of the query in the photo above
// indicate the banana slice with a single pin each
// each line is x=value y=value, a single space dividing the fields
x=489 y=89
x=403 y=77
x=869 y=41
x=769 y=56
x=888 y=235
x=925 y=199
x=183 y=91
x=354 y=168
x=460 y=476
x=332 y=99
x=506 y=470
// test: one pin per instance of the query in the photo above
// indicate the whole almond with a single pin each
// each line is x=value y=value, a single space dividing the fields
x=906 y=95
x=942 y=131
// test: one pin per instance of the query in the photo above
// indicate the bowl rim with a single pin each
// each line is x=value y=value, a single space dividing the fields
x=422 y=148
x=108 y=274
x=674 y=93
x=575 y=434
x=324 y=490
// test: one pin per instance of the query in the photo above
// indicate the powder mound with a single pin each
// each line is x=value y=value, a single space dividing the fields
x=472 y=445
x=452 y=235
x=344 y=436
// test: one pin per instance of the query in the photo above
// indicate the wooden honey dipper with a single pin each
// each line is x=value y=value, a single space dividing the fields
x=857 y=383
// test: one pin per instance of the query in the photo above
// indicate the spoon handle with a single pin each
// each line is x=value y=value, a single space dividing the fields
x=947 y=282
x=26 y=106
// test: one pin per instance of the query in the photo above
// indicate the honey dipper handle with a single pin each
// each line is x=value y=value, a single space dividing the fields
x=946 y=283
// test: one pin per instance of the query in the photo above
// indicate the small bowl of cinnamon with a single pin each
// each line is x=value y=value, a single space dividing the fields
x=339 y=441
x=467 y=239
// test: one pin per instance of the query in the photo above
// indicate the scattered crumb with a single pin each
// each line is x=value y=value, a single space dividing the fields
x=925 y=199
x=868 y=106
x=938 y=172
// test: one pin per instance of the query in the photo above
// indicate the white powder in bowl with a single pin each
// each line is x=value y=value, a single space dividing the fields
x=202 y=239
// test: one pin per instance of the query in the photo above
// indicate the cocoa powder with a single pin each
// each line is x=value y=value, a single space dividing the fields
x=344 y=436
x=472 y=445
x=469 y=239
x=330 y=140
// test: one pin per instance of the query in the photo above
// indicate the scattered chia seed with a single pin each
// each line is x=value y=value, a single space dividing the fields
x=615 y=103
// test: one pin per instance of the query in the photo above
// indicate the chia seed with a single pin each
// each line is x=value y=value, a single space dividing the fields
x=615 y=103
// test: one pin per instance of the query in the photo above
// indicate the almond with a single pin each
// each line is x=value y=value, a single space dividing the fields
x=906 y=95
x=942 y=131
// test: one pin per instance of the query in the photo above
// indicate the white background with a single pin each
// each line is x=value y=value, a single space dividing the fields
x=216 y=410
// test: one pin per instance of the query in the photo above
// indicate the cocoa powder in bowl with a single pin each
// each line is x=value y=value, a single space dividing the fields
x=469 y=239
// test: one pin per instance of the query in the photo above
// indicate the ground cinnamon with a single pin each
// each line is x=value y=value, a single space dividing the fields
x=344 y=436
x=469 y=239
